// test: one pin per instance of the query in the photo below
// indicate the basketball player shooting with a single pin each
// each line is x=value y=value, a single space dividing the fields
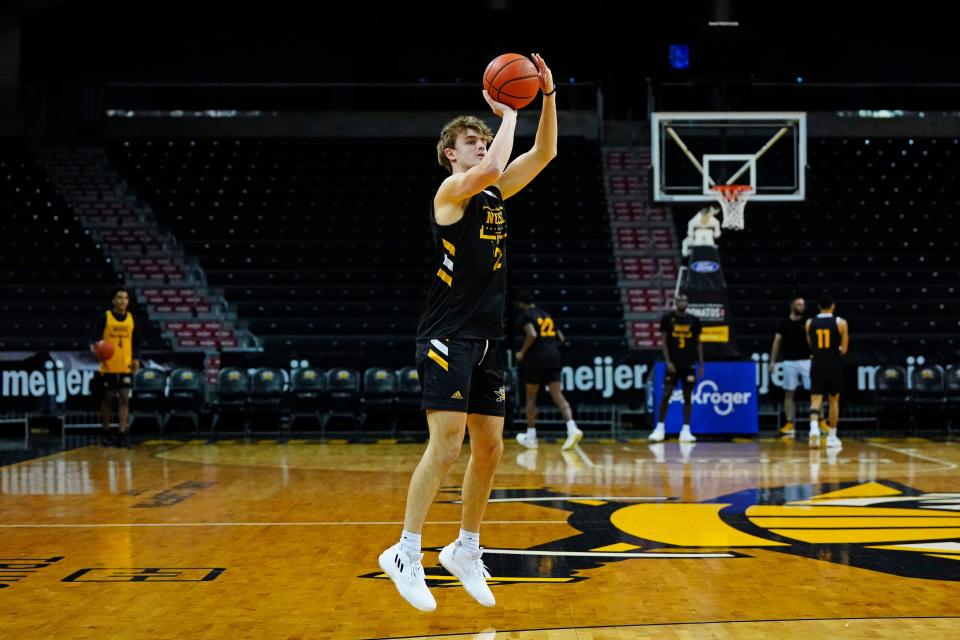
x=460 y=355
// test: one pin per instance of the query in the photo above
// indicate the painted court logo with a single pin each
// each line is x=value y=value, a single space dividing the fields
x=879 y=526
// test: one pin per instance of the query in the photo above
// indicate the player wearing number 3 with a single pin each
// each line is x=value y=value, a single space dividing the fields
x=460 y=354
x=680 y=339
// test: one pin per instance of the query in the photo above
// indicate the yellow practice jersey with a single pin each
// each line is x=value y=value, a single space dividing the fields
x=120 y=333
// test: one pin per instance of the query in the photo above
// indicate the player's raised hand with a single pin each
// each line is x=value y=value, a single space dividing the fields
x=543 y=71
x=498 y=108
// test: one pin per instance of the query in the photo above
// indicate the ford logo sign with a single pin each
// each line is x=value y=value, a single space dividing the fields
x=705 y=266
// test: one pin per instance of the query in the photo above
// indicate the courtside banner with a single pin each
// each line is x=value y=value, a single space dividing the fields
x=45 y=381
x=40 y=379
x=724 y=399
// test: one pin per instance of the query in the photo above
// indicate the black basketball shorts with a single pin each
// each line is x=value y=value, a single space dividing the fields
x=540 y=372
x=115 y=381
x=826 y=378
x=462 y=375
x=686 y=374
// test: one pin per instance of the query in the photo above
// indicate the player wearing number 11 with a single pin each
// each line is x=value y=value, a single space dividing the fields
x=829 y=338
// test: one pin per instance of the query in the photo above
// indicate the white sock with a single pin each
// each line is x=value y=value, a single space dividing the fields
x=659 y=427
x=571 y=426
x=469 y=540
x=832 y=432
x=531 y=432
x=686 y=427
x=814 y=425
x=410 y=542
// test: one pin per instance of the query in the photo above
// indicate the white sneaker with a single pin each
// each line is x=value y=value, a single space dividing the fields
x=686 y=436
x=527 y=441
x=469 y=569
x=406 y=571
x=833 y=442
x=814 y=437
x=657 y=435
x=573 y=437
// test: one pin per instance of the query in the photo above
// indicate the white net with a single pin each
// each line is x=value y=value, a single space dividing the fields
x=733 y=199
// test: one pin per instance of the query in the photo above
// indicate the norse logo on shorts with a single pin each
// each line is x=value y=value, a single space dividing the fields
x=879 y=526
x=501 y=395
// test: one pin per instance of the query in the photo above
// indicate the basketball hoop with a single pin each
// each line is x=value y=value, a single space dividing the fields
x=733 y=198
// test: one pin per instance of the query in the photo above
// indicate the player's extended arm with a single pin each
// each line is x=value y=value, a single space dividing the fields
x=135 y=343
x=844 y=337
x=448 y=203
x=97 y=334
x=663 y=347
x=526 y=166
x=775 y=349
x=529 y=337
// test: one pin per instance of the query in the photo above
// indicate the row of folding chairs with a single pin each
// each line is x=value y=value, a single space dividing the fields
x=928 y=392
x=276 y=397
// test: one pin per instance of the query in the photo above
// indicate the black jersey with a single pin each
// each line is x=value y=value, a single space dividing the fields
x=824 y=335
x=793 y=345
x=682 y=334
x=545 y=352
x=467 y=293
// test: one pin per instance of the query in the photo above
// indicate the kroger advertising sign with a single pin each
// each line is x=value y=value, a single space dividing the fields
x=724 y=400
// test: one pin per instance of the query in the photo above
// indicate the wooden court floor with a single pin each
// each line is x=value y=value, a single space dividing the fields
x=750 y=539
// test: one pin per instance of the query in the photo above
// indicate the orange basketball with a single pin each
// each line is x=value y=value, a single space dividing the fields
x=512 y=79
x=105 y=350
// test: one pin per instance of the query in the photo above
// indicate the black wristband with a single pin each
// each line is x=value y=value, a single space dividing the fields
x=552 y=92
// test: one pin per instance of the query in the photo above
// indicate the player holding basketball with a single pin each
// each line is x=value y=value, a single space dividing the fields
x=791 y=336
x=117 y=326
x=829 y=339
x=540 y=356
x=459 y=339
x=680 y=340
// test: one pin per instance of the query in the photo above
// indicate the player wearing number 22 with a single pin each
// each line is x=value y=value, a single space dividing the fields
x=540 y=357
x=460 y=353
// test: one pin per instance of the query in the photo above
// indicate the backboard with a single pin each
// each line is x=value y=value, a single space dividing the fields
x=691 y=152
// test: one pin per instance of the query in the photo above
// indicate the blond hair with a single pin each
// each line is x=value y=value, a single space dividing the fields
x=453 y=129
